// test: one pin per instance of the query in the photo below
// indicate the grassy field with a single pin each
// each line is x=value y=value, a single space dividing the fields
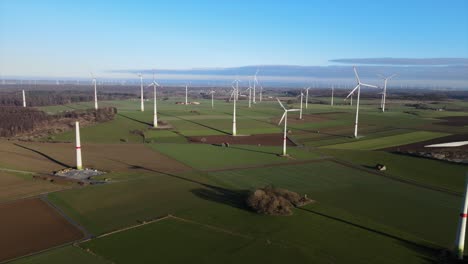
x=432 y=172
x=209 y=156
x=388 y=141
x=156 y=243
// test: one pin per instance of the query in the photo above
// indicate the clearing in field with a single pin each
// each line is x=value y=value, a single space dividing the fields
x=31 y=225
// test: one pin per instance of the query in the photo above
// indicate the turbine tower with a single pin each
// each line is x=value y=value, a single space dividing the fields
x=333 y=91
x=234 y=94
x=212 y=99
x=255 y=82
x=186 y=93
x=155 y=100
x=358 y=88
x=384 y=93
x=307 y=96
x=95 y=91
x=79 y=165
x=302 y=99
x=261 y=93
x=24 y=99
x=141 y=97
x=250 y=94
x=285 y=117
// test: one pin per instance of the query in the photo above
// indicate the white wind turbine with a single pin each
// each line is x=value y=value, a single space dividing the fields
x=384 y=93
x=155 y=113
x=142 y=107
x=212 y=98
x=333 y=93
x=307 y=97
x=255 y=82
x=302 y=99
x=261 y=93
x=79 y=164
x=95 y=91
x=234 y=94
x=358 y=88
x=285 y=117
x=24 y=99
x=186 y=94
x=250 y=94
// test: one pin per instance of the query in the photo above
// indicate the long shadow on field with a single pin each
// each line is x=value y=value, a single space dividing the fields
x=44 y=155
x=197 y=123
x=430 y=252
x=136 y=120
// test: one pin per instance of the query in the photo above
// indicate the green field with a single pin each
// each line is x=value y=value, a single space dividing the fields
x=388 y=141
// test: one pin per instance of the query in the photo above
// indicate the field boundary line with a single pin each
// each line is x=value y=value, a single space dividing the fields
x=396 y=178
x=86 y=233
x=17 y=171
x=127 y=228
x=297 y=162
x=219 y=229
x=38 y=252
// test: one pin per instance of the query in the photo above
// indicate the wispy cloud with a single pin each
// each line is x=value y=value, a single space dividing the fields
x=405 y=61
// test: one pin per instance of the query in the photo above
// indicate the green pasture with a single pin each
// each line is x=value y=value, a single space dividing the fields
x=388 y=141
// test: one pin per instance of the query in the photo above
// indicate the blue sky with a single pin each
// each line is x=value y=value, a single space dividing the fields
x=71 y=38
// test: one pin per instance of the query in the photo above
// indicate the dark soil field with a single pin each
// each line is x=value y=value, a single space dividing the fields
x=260 y=139
x=31 y=225
x=454 y=121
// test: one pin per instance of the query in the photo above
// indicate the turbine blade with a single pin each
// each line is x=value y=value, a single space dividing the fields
x=357 y=76
x=369 y=85
x=352 y=92
x=281 y=120
x=394 y=75
x=281 y=104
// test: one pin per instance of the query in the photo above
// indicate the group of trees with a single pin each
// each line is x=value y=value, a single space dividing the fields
x=19 y=120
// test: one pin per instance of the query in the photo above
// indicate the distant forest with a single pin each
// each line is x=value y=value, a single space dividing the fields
x=19 y=121
x=45 y=98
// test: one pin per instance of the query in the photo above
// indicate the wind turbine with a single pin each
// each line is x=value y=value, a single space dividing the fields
x=307 y=96
x=234 y=94
x=333 y=91
x=155 y=113
x=285 y=117
x=141 y=98
x=24 y=99
x=384 y=93
x=261 y=93
x=186 y=94
x=300 y=113
x=358 y=88
x=79 y=165
x=212 y=98
x=95 y=91
x=255 y=81
x=250 y=95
